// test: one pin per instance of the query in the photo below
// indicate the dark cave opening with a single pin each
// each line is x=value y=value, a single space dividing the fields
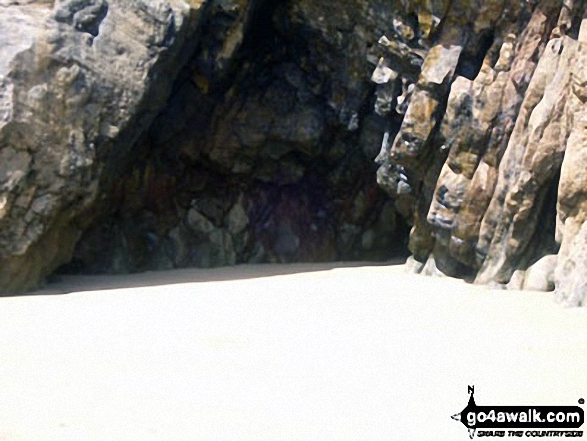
x=471 y=60
x=251 y=162
x=543 y=241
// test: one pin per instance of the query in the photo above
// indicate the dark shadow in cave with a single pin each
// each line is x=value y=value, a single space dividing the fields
x=168 y=179
x=543 y=240
x=471 y=59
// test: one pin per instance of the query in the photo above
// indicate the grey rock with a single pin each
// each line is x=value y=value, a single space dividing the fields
x=287 y=242
x=414 y=266
x=383 y=74
x=199 y=223
x=237 y=219
x=80 y=81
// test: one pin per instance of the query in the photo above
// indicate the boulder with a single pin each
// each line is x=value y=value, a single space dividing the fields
x=540 y=276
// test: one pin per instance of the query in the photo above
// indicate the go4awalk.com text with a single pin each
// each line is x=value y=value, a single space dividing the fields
x=521 y=421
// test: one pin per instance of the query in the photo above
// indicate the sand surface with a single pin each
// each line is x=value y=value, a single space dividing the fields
x=298 y=352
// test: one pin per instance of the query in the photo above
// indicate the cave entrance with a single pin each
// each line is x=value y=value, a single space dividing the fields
x=266 y=156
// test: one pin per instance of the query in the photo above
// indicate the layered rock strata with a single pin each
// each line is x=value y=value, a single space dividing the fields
x=155 y=134
x=494 y=156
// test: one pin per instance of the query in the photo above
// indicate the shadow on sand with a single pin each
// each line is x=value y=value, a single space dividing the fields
x=67 y=284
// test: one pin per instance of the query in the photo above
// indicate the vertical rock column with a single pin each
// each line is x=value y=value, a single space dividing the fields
x=485 y=148
x=571 y=270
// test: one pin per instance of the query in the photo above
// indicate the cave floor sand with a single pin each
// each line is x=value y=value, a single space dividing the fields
x=297 y=352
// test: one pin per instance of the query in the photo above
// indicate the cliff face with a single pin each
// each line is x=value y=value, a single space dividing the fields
x=260 y=154
x=79 y=80
x=155 y=134
x=492 y=152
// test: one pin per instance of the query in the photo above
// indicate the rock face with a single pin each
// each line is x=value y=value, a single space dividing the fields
x=264 y=152
x=79 y=80
x=151 y=134
x=154 y=134
x=491 y=155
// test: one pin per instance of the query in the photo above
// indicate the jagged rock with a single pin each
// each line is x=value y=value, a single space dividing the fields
x=571 y=226
x=269 y=141
x=485 y=167
x=264 y=149
x=383 y=74
x=79 y=82
x=533 y=156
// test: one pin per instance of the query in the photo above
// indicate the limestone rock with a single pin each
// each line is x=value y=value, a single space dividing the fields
x=207 y=133
x=79 y=82
x=540 y=276
x=571 y=209
x=497 y=175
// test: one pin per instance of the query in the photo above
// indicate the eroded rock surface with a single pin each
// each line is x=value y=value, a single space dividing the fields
x=265 y=151
x=483 y=151
x=153 y=134
x=79 y=80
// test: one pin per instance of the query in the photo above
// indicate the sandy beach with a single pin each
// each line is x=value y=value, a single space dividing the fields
x=297 y=352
